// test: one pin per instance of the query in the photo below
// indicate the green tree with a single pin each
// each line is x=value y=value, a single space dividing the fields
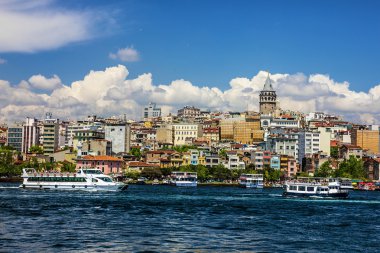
x=135 y=152
x=324 y=170
x=221 y=173
x=167 y=171
x=151 y=173
x=6 y=162
x=36 y=150
x=68 y=167
x=223 y=153
x=334 y=152
x=133 y=174
x=351 y=168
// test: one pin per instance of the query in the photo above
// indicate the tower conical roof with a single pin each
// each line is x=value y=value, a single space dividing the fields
x=268 y=84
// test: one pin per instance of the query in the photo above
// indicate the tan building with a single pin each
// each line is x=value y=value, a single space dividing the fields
x=366 y=139
x=211 y=133
x=246 y=131
x=165 y=134
x=227 y=127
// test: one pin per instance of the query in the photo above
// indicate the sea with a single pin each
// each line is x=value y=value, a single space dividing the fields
x=155 y=218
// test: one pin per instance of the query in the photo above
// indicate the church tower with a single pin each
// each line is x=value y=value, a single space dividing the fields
x=268 y=99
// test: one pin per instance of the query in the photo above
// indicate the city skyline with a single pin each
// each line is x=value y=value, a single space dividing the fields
x=114 y=58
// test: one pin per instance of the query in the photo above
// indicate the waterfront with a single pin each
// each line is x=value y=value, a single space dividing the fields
x=203 y=219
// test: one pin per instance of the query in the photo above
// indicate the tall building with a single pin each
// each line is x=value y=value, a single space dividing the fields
x=268 y=99
x=308 y=144
x=366 y=139
x=151 y=111
x=120 y=136
x=50 y=134
x=15 y=137
x=31 y=134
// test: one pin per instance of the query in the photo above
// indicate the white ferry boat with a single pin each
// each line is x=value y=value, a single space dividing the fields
x=83 y=179
x=179 y=178
x=251 y=181
x=318 y=187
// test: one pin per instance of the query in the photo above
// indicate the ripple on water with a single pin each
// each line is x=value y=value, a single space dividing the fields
x=169 y=219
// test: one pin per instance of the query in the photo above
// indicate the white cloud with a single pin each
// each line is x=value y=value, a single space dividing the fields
x=43 y=83
x=30 y=26
x=128 y=54
x=111 y=92
x=3 y=61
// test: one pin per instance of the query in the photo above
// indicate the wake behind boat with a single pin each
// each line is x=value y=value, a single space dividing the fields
x=83 y=179
x=318 y=187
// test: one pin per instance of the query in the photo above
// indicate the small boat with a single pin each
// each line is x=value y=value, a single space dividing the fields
x=83 y=179
x=141 y=180
x=251 y=181
x=179 y=178
x=317 y=187
x=366 y=186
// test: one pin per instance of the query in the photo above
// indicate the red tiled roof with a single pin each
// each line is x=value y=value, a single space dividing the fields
x=350 y=146
x=101 y=158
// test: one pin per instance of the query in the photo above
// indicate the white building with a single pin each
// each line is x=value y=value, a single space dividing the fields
x=31 y=134
x=286 y=144
x=235 y=163
x=151 y=111
x=120 y=136
x=185 y=131
x=308 y=143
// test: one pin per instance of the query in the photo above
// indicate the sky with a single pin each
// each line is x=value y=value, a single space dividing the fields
x=81 y=57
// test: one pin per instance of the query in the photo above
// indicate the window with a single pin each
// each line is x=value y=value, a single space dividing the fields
x=310 y=189
x=301 y=188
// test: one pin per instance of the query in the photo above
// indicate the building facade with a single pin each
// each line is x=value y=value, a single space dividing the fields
x=189 y=112
x=120 y=136
x=268 y=99
x=151 y=111
x=15 y=137
x=366 y=139
x=50 y=134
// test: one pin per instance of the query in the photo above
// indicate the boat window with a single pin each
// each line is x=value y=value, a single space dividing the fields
x=105 y=179
x=301 y=188
x=94 y=180
x=310 y=189
x=293 y=187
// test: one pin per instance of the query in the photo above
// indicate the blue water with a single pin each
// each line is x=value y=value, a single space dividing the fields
x=170 y=219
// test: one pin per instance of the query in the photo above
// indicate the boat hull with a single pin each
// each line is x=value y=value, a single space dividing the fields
x=252 y=186
x=328 y=195
x=87 y=187
x=185 y=184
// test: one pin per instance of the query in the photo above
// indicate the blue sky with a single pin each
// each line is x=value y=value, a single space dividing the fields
x=211 y=42
x=80 y=57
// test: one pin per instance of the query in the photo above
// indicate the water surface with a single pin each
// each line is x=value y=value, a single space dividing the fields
x=170 y=219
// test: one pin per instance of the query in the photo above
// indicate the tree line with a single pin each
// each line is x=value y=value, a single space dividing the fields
x=217 y=173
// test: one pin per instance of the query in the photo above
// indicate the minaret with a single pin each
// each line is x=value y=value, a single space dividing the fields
x=268 y=98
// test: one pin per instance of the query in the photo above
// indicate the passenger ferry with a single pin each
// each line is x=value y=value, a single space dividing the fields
x=179 y=178
x=83 y=179
x=251 y=181
x=318 y=187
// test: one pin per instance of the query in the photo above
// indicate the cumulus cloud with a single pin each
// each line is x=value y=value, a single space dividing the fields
x=110 y=92
x=3 y=61
x=30 y=26
x=43 y=83
x=128 y=54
